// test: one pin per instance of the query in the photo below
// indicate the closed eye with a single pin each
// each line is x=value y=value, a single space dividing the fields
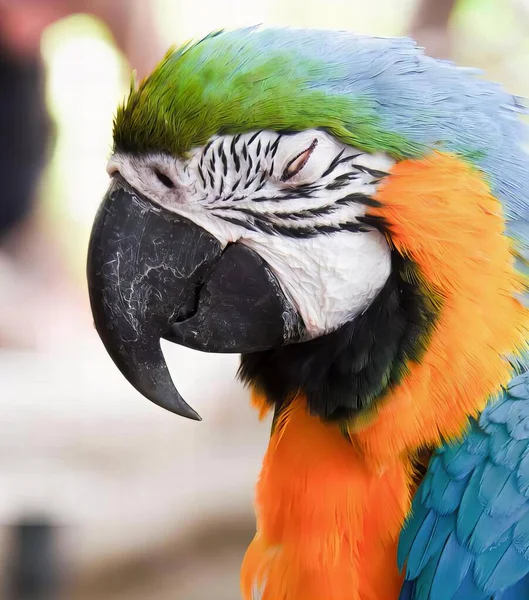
x=298 y=162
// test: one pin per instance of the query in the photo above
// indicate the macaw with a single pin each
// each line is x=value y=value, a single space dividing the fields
x=351 y=216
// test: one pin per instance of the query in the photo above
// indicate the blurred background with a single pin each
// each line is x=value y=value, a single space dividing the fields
x=102 y=494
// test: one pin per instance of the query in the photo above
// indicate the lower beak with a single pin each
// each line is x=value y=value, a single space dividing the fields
x=153 y=274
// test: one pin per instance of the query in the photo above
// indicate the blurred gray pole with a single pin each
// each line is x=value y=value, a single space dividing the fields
x=429 y=27
x=33 y=572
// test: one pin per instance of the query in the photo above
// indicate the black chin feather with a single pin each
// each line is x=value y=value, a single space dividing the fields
x=348 y=370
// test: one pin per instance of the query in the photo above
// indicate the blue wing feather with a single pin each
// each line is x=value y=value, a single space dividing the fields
x=468 y=534
x=445 y=584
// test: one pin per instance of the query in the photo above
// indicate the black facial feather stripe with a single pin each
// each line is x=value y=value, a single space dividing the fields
x=300 y=193
x=375 y=222
x=224 y=163
x=351 y=175
x=313 y=231
x=265 y=225
x=275 y=146
x=357 y=198
x=234 y=153
x=337 y=184
x=334 y=164
x=232 y=145
x=207 y=147
x=373 y=172
x=262 y=180
x=201 y=176
x=338 y=160
x=239 y=222
x=308 y=192
x=252 y=139
x=318 y=211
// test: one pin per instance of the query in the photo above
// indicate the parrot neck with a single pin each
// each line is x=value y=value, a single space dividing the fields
x=327 y=524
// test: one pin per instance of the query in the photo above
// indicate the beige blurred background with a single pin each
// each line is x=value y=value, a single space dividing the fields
x=138 y=504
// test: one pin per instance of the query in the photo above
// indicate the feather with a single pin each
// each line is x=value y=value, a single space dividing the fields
x=446 y=493
x=447 y=580
x=498 y=494
x=420 y=517
x=500 y=567
x=459 y=462
x=484 y=553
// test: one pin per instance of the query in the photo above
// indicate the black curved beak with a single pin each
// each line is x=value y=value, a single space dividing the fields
x=153 y=274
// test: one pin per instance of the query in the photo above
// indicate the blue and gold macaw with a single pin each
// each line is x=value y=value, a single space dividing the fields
x=351 y=217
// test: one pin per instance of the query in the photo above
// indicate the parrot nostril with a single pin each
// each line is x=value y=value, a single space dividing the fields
x=164 y=179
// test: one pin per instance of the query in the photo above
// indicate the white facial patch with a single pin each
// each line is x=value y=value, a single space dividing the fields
x=295 y=199
x=329 y=286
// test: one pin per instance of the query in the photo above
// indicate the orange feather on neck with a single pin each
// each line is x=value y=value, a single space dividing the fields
x=330 y=509
x=443 y=216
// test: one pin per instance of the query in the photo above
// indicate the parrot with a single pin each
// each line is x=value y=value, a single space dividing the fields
x=351 y=217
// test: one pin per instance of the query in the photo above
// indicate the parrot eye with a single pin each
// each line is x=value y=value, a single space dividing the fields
x=298 y=162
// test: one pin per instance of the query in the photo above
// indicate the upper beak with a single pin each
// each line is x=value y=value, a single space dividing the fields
x=153 y=274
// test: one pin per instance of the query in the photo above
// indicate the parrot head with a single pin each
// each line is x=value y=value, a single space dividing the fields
x=312 y=201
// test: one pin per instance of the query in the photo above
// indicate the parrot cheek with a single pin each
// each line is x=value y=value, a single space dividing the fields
x=153 y=274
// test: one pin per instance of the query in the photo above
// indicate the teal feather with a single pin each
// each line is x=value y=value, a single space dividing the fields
x=500 y=567
x=519 y=389
x=509 y=454
x=445 y=494
x=519 y=591
x=518 y=422
x=447 y=580
x=426 y=486
x=468 y=590
x=424 y=582
x=420 y=545
x=459 y=462
x=481 y=550
x=418 y=516
x=433 y=540
x=499 y=441
x=522 y=474
x=498 y=494
x=478 y=442
x=520 y=538
x=469 y=512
